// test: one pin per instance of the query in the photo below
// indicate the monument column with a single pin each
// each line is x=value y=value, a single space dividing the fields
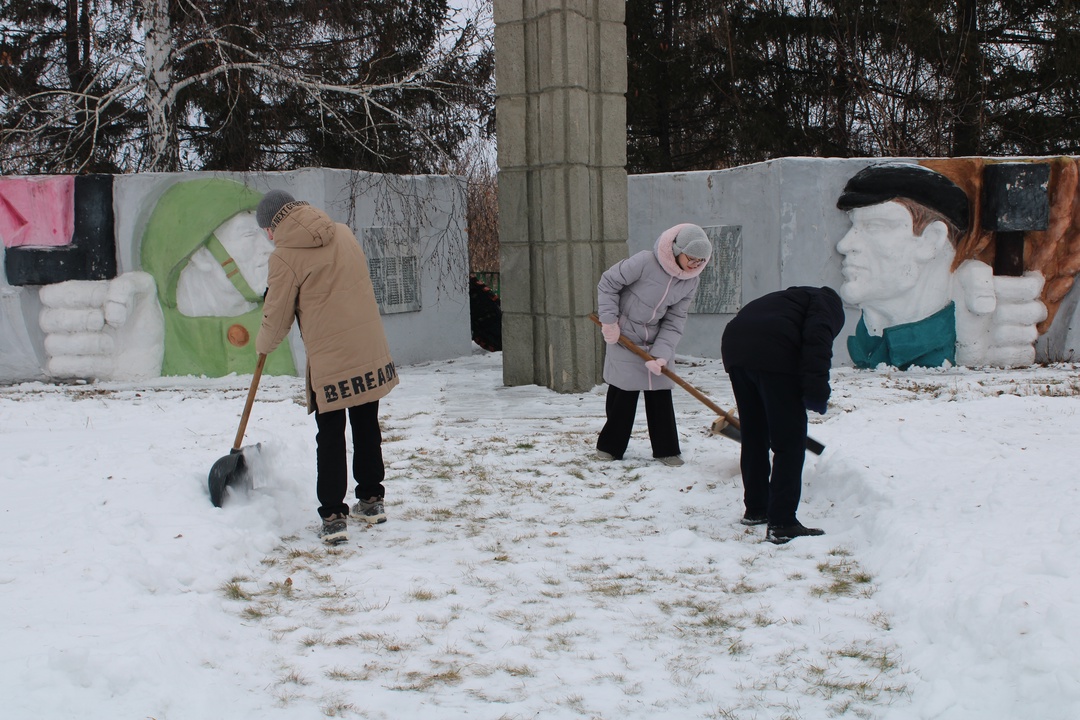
x=560 y=79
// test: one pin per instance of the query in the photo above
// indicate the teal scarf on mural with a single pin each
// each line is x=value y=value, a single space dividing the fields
x=927 y=343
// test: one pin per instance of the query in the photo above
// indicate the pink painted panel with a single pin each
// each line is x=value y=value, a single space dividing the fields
x=37 y=211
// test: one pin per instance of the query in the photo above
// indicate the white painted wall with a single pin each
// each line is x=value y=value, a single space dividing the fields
x=790 y=227
x=435 y=204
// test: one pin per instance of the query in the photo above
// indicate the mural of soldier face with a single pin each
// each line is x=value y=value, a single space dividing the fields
x=249 y=246
x=882 y=256
x=204 y=290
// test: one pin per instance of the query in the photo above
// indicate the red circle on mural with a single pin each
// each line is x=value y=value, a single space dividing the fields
x=239 y=336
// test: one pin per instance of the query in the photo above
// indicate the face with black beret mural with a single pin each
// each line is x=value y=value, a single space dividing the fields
x=897 y=264
x=920 y=303
x=895 y=274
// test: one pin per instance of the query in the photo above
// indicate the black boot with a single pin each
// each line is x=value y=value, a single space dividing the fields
x=750 y=518
x=780 y=534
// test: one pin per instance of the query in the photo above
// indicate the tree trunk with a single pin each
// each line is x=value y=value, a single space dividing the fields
x=968 y=97
x=664 y=92
x=162 y=151
x=77 y=62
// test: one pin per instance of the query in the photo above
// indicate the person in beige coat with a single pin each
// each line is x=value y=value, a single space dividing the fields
x=318 y=274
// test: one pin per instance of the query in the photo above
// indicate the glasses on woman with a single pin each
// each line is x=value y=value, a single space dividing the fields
x=693 y=261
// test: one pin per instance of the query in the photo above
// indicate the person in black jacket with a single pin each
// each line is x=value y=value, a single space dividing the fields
x=777 y=352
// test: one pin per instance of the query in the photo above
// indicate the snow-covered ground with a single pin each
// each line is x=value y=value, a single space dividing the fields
x=518 y=577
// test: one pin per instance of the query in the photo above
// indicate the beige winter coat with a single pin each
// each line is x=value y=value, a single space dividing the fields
x=319 y=275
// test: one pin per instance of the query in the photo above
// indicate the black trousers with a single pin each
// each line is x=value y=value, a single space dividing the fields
x=772 y=417
x=331 y=457
x=621 y=407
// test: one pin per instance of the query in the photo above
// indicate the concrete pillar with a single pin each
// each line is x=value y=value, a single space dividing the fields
x=560 y=78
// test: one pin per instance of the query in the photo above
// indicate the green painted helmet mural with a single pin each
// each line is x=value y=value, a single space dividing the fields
x=183 y=222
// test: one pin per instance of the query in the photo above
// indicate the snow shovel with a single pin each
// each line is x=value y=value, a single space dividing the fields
x=727 y=424
x=233 y=469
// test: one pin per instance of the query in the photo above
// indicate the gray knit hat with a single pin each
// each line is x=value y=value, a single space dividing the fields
x=269 y=206
x=692 y=241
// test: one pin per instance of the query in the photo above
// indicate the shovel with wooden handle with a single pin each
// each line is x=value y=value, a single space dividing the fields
x=233 y=469
x=727 y=424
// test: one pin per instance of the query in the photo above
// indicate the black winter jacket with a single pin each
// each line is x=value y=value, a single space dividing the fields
x=789 y=331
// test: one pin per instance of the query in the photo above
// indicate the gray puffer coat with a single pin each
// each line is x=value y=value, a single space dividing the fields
x=649 y=295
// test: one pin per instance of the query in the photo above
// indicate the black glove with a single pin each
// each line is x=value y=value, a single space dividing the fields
x=818 y=406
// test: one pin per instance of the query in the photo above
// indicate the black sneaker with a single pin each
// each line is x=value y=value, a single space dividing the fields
x=753 y=519
x=334 y=530
x=370 y=511
x=778 y=535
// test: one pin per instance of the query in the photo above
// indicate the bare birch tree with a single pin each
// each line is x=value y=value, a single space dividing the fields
x=174 y=84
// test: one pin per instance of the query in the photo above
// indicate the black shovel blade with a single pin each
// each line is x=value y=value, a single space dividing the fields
x=230 y=471
x=732 y=432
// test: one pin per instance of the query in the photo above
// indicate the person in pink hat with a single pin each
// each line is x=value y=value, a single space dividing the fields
x=646 y=298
